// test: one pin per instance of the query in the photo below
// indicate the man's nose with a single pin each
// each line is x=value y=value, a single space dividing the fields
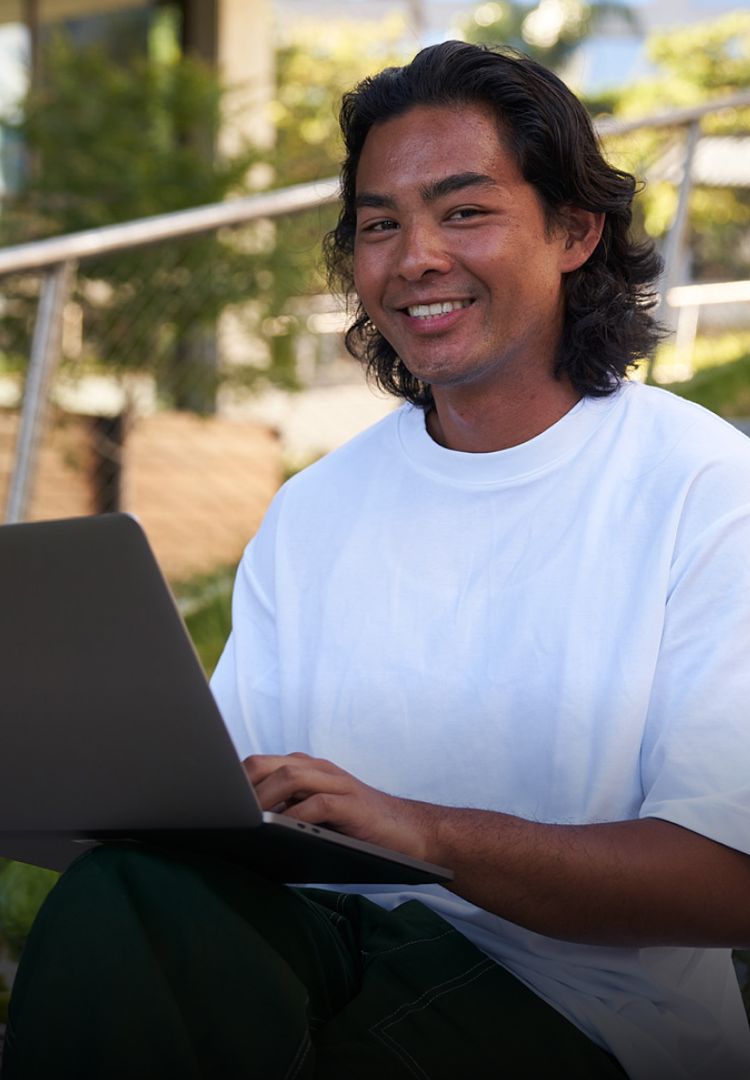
x=422 y=249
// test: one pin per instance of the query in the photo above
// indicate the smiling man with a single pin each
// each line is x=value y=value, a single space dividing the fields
x=505 y=630
x=462 y=273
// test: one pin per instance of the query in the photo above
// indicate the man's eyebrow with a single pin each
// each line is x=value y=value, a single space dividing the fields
x=447 y=185
x=378 y=202
x=435 y=189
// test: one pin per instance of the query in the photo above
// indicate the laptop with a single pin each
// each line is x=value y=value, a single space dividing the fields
x=109 y=731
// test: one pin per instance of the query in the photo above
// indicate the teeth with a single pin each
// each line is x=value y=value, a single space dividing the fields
x=426 y=311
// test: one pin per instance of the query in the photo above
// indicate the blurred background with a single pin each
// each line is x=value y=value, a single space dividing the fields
x=168 y=344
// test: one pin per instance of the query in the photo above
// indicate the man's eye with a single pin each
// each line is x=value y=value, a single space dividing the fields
x=464 y=213
x=382 y=225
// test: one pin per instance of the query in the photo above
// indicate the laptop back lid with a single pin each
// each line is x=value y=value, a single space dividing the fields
x=108 y=728
x=88 y=745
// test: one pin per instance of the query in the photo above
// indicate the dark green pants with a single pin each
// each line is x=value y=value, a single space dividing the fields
x=143 y=966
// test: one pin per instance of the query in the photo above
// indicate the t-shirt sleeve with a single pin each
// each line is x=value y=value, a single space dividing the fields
x=245 y=682
x=696 y=751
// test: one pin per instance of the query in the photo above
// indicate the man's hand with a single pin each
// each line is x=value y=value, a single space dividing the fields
x=632 y=883
x=320 y=793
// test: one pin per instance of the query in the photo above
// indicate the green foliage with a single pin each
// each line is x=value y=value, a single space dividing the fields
x=722 y=373
x=713 y=55
x=694 y=63
x=113 y=140
x=206 y=602
x=711 y=350
x=725 y=389
x=22 y=891
x=704 y=61
x=550 y=31
x=209 y=628
x=313 y=72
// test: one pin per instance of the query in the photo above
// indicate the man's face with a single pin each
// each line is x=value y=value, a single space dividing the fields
x=452 y=258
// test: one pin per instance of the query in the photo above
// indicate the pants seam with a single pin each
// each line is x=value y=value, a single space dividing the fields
x=429 y=995
x=425 y=999
x=371 y=955
x=299 y=1058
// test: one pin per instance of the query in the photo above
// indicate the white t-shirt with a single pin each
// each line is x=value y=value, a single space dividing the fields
x=560 y=631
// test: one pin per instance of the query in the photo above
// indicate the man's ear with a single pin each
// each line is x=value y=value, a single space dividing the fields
x=581 y=232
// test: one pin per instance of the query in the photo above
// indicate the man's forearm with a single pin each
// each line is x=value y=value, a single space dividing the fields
x=630 y=883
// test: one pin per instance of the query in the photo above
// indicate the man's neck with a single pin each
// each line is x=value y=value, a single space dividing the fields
x=479 y=423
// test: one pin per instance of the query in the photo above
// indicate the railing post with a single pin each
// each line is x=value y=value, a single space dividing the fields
x=674 y=245
x=46 y=346
x=684 y=346
x=675 y=241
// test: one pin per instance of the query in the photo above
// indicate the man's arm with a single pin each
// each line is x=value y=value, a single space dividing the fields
x=628 y=883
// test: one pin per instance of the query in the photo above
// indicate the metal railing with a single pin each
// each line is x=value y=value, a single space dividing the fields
x=688 y=119
x=687 y=301
x=41 y=254
x=57 y=259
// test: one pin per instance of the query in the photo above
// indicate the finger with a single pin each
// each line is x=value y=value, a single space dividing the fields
x=259 y=766
x=295 y=781
x=321 y=808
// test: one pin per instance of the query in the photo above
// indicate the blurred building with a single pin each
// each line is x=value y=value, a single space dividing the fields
x=235 y=36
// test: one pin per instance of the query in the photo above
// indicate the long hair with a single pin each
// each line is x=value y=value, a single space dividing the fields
x=608 y=324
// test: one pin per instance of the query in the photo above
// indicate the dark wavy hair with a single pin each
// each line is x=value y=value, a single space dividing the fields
x=608 y=323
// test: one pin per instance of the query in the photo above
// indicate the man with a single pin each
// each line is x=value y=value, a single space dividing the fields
x=504 y=630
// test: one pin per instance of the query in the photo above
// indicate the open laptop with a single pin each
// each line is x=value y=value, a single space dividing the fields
x=109 y=731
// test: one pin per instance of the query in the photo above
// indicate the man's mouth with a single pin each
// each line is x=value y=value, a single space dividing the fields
x=429 y=311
